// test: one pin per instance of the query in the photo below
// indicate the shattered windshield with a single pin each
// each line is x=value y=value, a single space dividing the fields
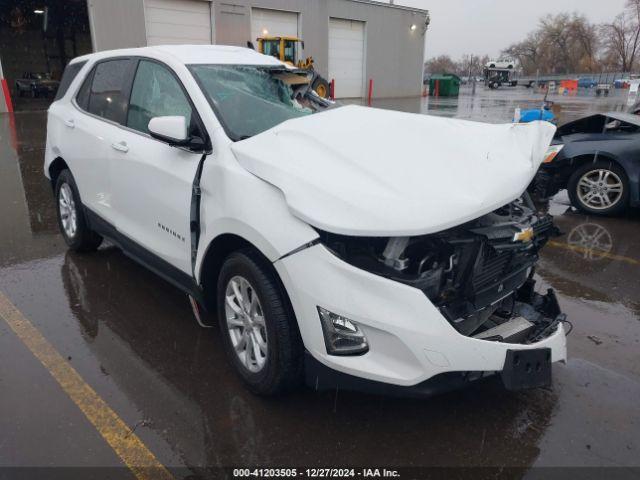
x=247 y=99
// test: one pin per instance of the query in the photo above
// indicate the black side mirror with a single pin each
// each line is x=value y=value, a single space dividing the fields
x=195 y=143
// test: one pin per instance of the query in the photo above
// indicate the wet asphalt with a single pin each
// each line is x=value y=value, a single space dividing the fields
x=133 y=339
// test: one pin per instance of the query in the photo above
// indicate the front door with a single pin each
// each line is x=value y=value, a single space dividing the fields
x=151 y=180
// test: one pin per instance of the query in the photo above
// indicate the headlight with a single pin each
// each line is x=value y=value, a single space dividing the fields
x=552 y=152
x=341 y=335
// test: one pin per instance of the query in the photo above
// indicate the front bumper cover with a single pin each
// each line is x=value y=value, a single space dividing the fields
x=410 y=340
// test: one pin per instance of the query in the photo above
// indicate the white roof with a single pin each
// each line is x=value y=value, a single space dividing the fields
x=193 y=54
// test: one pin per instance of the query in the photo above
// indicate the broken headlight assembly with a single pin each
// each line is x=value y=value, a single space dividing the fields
x=475 y=274
x=341 y=335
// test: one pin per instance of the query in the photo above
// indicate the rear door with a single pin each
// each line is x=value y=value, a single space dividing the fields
x=91 y=128
x=152 y=180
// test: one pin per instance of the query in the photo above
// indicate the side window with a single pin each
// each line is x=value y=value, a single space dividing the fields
x=70 y=73
x=82 y=98
x=103 y=91
x=156 y=93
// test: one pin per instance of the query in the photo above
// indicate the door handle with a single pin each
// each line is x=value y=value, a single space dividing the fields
x=70 y=123
x=121 y=147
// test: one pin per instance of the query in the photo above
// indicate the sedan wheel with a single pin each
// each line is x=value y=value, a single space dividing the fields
x=600 y=189
x=245 y=324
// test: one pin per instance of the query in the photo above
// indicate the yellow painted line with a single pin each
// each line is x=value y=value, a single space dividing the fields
x=126 y=444
x=577 y=248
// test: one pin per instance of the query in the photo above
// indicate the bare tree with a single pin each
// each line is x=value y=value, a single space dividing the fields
x=621 y=37
x=441 y=64
x=562 y=43
x=527 y=53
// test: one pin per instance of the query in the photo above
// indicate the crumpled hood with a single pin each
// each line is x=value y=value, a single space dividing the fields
x=370 y=172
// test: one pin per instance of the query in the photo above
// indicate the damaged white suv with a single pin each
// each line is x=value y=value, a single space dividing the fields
x=356 y=247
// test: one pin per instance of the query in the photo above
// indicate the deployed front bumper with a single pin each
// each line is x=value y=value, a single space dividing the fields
x=410 y=341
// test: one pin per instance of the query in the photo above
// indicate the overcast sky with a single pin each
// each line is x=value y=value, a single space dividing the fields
x=487 y=26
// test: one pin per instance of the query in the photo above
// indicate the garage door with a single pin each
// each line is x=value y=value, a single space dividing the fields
x=178 y=21
x=346 y=57
x=277 y=23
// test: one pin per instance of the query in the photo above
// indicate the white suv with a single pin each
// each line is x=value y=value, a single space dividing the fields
x=358 y=247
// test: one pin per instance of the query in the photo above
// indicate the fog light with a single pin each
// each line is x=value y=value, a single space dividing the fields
x=341 y=335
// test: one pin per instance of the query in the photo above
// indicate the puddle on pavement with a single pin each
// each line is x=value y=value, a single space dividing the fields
x=134 y=340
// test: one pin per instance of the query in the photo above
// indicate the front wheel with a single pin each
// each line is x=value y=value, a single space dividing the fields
x=600 y=188
x=258 y=327
x=71 y=220
x=321 y=87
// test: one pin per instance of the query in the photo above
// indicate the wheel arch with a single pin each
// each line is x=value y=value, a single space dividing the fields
x=218 y=249
x=579 y=160
x=55 y=168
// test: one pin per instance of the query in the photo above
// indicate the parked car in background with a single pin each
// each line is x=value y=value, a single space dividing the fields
x=597 y=160
x=587 y=82
x=36 y=84
x=314 y=233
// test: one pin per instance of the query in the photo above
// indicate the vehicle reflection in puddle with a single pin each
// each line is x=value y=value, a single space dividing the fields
x=592 y=241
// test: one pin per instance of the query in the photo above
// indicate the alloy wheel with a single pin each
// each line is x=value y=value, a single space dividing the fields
x=245 y=323
x=600 y=189
x=67 y=208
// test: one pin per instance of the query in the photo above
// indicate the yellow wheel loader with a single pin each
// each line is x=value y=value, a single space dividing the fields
x=286 y=50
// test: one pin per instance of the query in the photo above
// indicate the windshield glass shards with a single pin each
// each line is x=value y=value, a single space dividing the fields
x=248 y=99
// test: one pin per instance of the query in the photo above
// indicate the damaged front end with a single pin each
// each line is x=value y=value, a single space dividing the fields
x=479 y=274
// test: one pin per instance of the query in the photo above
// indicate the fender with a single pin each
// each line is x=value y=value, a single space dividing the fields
x=227 y=225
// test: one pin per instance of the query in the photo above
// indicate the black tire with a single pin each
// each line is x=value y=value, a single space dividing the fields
x=84 y=239
x=283 y=366
x=321 y=87
x=572 y=187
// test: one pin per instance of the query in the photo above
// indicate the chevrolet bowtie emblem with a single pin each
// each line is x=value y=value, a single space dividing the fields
x=525 y=235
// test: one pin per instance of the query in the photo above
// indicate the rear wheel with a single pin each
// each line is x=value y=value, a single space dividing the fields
x=258 y=327
x=600 y=188
x=71 y=220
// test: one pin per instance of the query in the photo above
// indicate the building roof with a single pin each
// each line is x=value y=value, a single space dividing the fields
x=194 y=54
x=393 y=5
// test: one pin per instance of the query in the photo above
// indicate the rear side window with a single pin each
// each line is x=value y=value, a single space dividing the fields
x=82 y=99
x=70 y=73
x=104 y=91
